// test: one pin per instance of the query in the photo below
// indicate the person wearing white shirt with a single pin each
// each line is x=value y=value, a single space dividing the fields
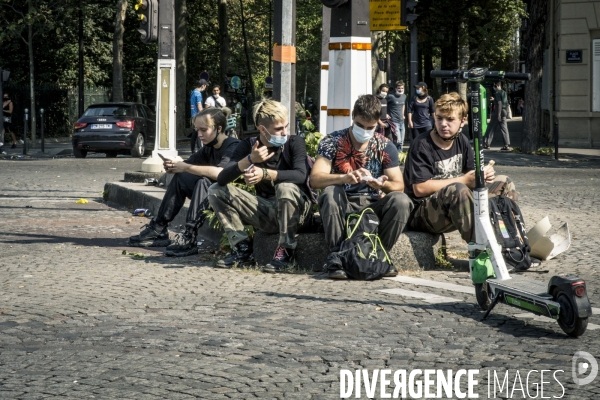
x=216 y=100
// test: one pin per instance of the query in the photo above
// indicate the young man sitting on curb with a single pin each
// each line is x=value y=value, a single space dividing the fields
x=346 y=162
x=440 y=174
x=192 y=179
x=281 y=204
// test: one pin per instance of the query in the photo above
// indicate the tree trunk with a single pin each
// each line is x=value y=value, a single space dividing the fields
x=31 y=78
x=181 y=66
x=117 y=84
x=534 y=62
x=224 y=43
x=248 y=67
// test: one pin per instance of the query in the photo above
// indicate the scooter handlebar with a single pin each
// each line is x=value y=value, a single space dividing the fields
x=456 y=73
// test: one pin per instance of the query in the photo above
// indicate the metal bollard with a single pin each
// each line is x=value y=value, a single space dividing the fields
x=42 y=123
x=556 y=140
x=26 y=117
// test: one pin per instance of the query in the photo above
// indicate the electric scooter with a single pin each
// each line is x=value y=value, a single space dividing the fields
x=564 y=298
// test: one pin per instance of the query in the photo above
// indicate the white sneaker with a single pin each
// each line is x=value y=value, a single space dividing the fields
x=1 y=144
x=20 y=141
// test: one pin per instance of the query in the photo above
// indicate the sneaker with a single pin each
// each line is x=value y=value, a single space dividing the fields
x=183 y=245
x=392 y=272
x=206 y=246
x=337 y=274
x=150 y=237
x=333 y=267
x=242 y=254
x=506 y=148
x=20 y=141
x=282 y=260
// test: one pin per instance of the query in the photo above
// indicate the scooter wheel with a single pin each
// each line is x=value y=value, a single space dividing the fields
x=568 y=320
x=483 y=295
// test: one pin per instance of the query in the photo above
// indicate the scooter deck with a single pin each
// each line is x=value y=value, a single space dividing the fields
x=522 y=285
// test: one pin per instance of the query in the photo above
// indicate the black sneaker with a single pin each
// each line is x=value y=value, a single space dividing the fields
x=241 y=254
x=150 y=237
x=334 y=267
x=282 y=260
x=183 y=245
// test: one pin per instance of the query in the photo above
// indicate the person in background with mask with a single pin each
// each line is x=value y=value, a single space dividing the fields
x=498 y=119
x=384 y=123
x=281 y=204
x=215 y=100
x=420 y=111
x=396 y=101
x=356 y=169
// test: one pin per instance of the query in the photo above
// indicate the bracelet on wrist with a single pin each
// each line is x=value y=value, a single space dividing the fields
x=249 y=159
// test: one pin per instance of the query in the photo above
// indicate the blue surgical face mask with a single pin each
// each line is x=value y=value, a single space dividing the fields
x=362 y=135
x=419 y=92
x=276 y=141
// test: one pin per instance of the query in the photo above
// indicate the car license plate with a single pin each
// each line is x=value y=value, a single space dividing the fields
x=101 y=126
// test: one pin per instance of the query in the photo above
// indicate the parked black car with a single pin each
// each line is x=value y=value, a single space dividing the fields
x=115 y=128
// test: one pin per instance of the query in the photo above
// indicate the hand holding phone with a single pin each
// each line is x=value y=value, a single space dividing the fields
x=162 y=157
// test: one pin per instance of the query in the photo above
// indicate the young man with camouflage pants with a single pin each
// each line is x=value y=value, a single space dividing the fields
x=440 y=174
x=281 y=205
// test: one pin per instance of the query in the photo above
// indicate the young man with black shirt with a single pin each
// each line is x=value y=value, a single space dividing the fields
x=396 y=102
x=281 y=204
x=440 y=174
x=357 y=168
x=192 y=179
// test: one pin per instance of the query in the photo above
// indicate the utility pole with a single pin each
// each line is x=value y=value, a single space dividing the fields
x=164 y=143
x=81 y=83
x=284 y=58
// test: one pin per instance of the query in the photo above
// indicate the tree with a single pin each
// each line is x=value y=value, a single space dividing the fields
x=535 y=35
x=117 y=84
x=32 y=19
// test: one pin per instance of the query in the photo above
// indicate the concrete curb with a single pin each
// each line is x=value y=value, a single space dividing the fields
x=413 y=250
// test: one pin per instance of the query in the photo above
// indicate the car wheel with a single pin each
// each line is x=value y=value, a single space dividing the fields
x=111 y=154
x=79 y=153
x=139 y=146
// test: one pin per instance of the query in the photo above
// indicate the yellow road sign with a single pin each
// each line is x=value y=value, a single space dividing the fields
x=385 y=15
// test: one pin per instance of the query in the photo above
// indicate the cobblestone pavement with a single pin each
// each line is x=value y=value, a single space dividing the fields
x=80 y=319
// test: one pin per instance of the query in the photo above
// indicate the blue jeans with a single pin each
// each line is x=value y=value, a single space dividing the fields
x=400 y=132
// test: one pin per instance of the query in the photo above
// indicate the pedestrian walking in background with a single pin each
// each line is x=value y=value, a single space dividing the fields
x=7 y=111
x=498 y=119
x=215 y=100
x=383 y=125
x=520 y=107
x=196 y=106
x=420 y=111
x=396 y=103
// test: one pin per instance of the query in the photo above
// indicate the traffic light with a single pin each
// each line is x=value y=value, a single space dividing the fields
x=147 y=11
x=407 y=13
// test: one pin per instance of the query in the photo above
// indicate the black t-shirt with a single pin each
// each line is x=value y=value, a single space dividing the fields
x=421 y=112
x=395 y=103
x=383 y=108
x=211 y=156
x=296 y=173
x=427 y=161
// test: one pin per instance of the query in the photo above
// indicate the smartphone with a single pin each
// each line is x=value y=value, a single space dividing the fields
x=163 y=158
x=249 y=168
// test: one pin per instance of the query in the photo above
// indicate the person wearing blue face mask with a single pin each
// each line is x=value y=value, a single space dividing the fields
x=420 y=112
x=281 y=205
x=357 y=168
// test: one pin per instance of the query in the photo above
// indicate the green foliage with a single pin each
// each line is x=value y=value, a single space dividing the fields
x=312 y=140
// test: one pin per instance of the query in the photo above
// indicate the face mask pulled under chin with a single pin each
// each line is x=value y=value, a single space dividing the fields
x=362 y=135
x=213 y=142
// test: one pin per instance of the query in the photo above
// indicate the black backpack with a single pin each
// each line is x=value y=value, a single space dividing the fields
x=509 y=226
x=362 y=255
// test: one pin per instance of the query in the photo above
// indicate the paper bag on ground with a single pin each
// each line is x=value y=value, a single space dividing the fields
x=544 y=247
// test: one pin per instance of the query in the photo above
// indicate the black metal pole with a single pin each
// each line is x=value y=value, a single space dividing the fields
x=414 y=59
x=81 y=93
x=556 y=140
x=26 y=118
x=1 y=97
x=42 y=123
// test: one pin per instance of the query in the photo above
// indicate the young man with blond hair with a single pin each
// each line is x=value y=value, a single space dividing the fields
x=440 y=174
x=281 y=205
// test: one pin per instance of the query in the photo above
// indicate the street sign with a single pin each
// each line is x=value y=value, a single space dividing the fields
x=204 y=75
x=236 y=82
x=574 y=56
x=269 y=82
x=385 y=15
